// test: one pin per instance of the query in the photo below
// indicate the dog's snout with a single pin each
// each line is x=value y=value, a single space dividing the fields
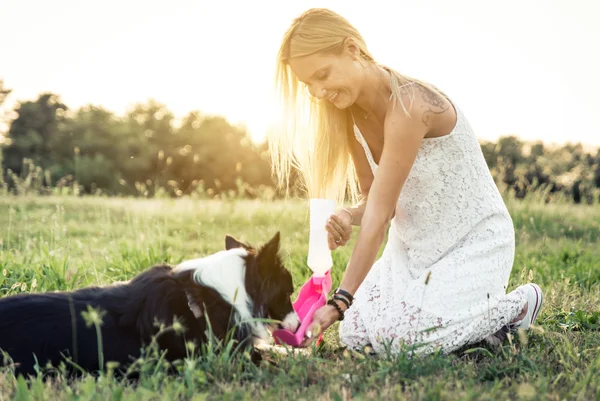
x=291 y=322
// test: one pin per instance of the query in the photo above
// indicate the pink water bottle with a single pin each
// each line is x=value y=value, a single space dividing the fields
x=313 y=293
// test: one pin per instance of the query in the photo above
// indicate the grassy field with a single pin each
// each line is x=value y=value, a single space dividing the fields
x=62 y=243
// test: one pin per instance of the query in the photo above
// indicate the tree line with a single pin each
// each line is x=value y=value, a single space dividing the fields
x=148 y=151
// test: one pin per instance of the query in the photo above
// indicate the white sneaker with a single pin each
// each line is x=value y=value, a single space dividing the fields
x=535 y=299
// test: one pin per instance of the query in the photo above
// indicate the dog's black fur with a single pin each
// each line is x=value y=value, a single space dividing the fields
x=50 y=325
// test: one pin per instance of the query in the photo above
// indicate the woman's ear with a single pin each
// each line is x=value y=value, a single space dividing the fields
x=352 y=48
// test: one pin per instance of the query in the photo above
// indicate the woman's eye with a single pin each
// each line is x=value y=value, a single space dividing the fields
x=323 y=75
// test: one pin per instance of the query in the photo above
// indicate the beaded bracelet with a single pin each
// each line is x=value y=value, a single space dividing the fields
x=337 y=307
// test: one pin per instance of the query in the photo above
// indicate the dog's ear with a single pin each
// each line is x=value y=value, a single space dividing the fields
x=231 y=243
x=268 y=255
x=273 y=244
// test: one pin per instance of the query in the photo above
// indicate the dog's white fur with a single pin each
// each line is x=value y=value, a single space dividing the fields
x=225 y=272
x=291 y=321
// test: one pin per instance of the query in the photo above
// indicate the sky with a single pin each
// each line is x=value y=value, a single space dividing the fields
x=517 y=67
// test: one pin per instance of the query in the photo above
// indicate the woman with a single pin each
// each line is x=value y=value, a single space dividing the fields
x=409 y=152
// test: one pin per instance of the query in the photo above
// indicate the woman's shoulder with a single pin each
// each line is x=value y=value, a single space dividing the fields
x=430 y=106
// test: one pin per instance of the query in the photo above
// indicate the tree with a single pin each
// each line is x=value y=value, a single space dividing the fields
x=489 y=153
x=4 y=92
x=597 y=170
x=35 y=132
x=510 y=148
x=90 y=149
x=212 y=150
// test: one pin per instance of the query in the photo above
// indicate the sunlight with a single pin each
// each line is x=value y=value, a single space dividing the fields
x=206 y=57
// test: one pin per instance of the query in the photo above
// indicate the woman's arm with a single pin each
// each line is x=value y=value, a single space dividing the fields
x=357 y=211
x=402 y=139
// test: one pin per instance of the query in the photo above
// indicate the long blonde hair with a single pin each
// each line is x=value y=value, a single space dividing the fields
x=314 y=136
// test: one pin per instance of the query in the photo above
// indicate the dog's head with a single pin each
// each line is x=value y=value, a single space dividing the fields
x=268 y=283
x=253 y=280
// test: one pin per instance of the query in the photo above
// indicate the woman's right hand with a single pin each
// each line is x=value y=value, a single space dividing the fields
x=339 y=229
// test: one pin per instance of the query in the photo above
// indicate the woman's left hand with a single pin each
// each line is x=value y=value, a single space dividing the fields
x=339 y=229
x=323 y=318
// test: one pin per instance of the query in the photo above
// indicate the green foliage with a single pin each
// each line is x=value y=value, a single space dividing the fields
x=149 y=153
x=35 y=133
x=522 y=169
x=144 y=153
x=4 y=93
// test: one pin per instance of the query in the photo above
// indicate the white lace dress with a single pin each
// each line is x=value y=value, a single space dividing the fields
x=441 y=280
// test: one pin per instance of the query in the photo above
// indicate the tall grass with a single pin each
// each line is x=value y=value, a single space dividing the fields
x=66 y=242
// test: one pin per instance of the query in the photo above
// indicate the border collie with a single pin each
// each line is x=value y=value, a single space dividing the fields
x=220 y=294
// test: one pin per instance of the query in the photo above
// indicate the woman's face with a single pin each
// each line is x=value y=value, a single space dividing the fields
x=334 y=78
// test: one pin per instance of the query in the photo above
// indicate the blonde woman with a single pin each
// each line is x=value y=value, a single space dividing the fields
x=406 y=155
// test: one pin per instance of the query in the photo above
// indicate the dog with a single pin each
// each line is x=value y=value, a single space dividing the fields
x=220 y=295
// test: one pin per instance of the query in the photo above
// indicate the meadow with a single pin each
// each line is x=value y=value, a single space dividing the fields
x=52 y=243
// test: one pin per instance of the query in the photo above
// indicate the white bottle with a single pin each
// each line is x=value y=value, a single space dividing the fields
x=319 y=255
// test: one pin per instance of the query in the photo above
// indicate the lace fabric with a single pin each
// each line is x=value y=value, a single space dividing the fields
x=441 y=280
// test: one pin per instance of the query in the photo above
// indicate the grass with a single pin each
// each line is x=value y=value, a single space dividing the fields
x=63 y=243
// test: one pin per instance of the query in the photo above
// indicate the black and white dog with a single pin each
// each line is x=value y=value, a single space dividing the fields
x=228 y=289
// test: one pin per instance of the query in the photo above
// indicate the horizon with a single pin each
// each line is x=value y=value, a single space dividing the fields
x=112 y=55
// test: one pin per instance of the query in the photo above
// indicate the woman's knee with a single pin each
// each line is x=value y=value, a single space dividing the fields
x=352 y=331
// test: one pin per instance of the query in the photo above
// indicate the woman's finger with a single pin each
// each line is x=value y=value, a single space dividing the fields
x=331 y=240
x=346 y=227
x=337 y=231
x=337 y=226
x=308 y=340
x=312 y=332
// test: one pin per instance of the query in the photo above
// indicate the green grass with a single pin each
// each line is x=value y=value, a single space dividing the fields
x=63 y=243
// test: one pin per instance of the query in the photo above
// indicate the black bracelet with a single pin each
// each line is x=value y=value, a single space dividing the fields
x=337 y=307
x=341 y=298
x=344 y=293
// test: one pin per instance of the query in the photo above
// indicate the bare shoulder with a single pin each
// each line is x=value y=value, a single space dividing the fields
x=428 y=108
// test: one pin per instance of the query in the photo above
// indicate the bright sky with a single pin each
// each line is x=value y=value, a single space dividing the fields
x=523 y=67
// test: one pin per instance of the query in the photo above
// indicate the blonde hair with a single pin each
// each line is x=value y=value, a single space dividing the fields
x=314 y=136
